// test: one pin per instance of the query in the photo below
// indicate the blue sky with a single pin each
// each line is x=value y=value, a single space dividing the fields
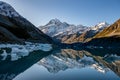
x=85 y=12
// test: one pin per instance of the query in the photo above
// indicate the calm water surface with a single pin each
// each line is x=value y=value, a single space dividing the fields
x=64 y=64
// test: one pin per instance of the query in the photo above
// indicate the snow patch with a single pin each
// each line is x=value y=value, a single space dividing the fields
x=7 y=10
x=100 y=26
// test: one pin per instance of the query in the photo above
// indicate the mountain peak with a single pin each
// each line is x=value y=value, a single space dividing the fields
x=112 y=30
x=7 y=10
x=54 y=22
x=100 y=26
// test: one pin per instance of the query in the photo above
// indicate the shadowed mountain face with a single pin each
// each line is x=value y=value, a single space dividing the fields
x=13 y=27
x=108 y=37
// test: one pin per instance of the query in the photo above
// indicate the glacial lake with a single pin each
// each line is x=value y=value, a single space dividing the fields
x=63 y=64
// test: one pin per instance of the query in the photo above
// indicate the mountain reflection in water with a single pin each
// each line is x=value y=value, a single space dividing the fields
x=64 y=64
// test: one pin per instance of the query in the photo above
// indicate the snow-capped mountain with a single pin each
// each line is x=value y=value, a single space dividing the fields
x=112 y=30
x=109 y=37
x=55 y=27
x=86 y=35
x=69 y=33
x=100 y=26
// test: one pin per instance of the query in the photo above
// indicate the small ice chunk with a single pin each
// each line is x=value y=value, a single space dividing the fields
x=4 y=55
x=14 y=57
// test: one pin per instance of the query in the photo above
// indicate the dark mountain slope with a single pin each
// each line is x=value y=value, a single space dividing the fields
x=15 y=28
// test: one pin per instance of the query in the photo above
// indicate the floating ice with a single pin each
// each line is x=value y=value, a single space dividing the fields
x=4 y=55
x=18 y=51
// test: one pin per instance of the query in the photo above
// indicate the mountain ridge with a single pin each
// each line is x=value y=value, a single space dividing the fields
x=109 y=37
x=69 y=33
x=111 y=30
